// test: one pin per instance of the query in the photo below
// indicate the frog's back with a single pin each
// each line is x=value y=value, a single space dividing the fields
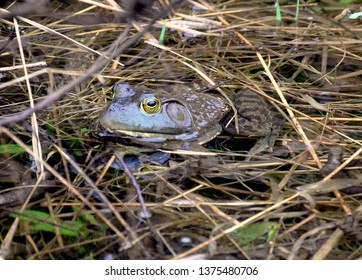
x=251 y=106
x=206 y=109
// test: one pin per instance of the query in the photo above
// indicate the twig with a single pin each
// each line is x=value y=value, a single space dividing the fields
x=144 y=213
x=300 y=241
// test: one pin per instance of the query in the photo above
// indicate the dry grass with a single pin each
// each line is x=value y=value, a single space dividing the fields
x=310 y=186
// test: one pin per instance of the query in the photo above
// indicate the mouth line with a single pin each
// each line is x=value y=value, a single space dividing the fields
x=153 y=137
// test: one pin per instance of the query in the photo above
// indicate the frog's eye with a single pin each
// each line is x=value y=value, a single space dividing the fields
x=150 y=105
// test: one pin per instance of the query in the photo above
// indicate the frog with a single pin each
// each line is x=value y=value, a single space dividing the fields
x=177 y=116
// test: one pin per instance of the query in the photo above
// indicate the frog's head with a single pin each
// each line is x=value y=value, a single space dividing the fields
x=143 y=113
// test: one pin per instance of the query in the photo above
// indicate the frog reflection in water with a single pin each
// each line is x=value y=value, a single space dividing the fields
x=172 y=116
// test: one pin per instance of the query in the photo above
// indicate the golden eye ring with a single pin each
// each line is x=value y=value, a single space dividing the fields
x=150 y=105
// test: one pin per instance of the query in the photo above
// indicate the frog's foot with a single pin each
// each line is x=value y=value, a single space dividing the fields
x=135 y=161
x=267 y=142
x=260 y=146
x=133 y=156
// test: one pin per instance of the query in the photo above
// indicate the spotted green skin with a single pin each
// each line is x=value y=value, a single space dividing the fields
x=263 y=231
x=185 y=115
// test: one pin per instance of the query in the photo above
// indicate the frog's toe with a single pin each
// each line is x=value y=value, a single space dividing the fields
x=262 y=145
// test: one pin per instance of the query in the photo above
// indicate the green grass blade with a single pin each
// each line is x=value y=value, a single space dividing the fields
x=278 y=13
x=163 y=32
x=297 y=11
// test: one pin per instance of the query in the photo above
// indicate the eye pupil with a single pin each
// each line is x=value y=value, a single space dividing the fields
x=151 y=103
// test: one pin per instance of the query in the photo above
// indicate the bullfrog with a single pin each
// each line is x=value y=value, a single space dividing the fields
x=178 y=114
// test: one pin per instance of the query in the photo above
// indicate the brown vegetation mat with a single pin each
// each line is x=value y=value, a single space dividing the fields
x=59 y=197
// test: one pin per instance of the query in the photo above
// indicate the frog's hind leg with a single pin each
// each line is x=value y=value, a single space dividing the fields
x=260 y=146
x=267 y=142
